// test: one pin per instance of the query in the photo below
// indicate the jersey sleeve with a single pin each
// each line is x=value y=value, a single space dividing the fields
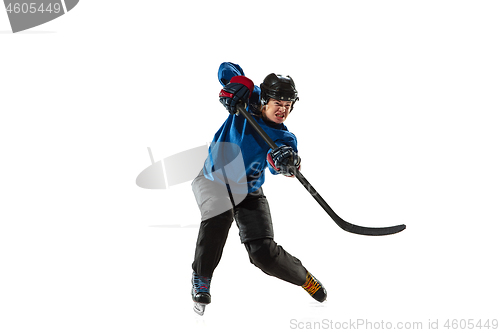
x=289 y=140
x=227 y=70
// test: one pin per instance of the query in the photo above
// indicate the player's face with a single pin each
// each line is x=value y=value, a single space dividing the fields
x=277 y=111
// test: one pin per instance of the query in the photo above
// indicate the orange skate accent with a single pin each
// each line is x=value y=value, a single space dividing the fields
x=311 y=285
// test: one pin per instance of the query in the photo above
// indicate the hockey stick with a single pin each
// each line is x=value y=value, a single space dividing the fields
x=349 y=227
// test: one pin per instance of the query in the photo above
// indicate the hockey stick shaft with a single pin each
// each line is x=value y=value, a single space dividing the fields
x=340 y=222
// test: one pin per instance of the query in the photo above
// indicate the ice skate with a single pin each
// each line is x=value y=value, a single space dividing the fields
x=200 y=293
x=314 y=288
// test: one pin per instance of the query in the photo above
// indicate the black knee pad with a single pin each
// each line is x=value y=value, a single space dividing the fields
x=262 y=252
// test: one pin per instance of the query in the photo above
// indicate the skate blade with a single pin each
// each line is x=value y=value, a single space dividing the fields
x=199 y=308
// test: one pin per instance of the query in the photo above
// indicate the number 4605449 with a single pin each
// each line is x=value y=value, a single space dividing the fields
x=470 y=324
x=32 y=8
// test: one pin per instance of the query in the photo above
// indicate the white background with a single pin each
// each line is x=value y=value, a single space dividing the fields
x=397 y=123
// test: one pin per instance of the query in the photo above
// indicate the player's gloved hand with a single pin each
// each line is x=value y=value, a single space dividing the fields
x=282 y=158
x=239 y=89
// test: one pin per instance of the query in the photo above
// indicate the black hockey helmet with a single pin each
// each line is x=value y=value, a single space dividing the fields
x=278 y=87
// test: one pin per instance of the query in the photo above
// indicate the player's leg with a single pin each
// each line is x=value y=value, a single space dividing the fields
x=273 y=260
x=217 y=216
x=212 y=237
x=253 y=218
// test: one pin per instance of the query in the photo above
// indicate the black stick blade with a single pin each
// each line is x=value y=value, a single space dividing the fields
x=344 y=225
x=368 y=231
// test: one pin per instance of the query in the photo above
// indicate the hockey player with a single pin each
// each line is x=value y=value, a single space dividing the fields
x=225 y=192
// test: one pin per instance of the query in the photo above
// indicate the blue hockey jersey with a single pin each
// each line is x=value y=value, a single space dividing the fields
x=238 y=155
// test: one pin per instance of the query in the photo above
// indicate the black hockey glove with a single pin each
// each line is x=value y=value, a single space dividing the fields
x=239 y=89
x=282 y=158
